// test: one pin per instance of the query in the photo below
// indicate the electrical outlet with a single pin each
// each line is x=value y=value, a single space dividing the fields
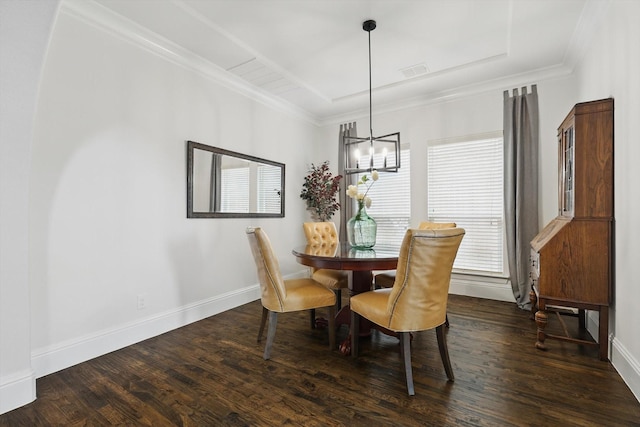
x=142 y=301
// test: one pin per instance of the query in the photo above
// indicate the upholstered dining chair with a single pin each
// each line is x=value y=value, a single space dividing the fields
x=282 y=296
x=417 y=300
x=386 y=279
x=323 y=236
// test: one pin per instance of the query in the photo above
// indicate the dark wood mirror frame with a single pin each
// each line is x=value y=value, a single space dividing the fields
x=204 y=181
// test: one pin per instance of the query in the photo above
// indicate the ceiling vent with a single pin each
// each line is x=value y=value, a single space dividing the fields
x=414 y=70
x=259 y=74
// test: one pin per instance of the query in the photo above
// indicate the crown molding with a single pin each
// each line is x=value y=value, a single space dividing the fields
x=97 y=16
x=106 y=20
x=438 y=97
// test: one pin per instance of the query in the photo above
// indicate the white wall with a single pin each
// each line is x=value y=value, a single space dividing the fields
x=611 y=68
x=107 y=187
x=474 y=114
x=24 y=34
x=108 y=195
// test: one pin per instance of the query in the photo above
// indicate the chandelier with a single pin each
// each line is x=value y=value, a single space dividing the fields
x=365 y=154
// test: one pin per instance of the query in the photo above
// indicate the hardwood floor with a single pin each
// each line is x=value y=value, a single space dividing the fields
x=211 y=373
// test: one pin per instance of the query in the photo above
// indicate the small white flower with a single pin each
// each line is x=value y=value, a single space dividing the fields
x=352 y=190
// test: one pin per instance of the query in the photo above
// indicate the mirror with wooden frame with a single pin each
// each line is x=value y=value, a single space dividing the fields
x=226 y=184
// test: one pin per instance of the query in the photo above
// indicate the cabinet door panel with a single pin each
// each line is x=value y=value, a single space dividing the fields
x=575 y=265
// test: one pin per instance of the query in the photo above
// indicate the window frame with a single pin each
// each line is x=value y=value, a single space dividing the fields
x=500 y=241
x=393 y=226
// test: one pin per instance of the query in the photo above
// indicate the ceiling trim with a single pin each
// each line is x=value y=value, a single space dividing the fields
x=266 y=61
x=427 y=76
x=104 y=19
x=499 y=85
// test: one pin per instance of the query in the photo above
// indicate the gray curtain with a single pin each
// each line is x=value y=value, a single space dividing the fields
x=215 y=199
x=520 y=186
x=346 y=208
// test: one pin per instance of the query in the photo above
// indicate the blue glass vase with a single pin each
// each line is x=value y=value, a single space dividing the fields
x=361 y=229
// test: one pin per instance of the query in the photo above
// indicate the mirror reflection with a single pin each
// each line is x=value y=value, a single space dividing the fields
x=223 y=183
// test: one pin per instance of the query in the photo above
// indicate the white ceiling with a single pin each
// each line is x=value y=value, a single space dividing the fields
x=314 y=53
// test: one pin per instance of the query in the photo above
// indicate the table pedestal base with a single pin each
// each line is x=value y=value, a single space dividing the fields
x=361 y=264
x=361 y=281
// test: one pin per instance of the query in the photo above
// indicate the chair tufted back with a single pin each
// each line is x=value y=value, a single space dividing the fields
x=428 y=225
x=322 y=240
x=418 y=299
x=321 y=233
x=272 y=288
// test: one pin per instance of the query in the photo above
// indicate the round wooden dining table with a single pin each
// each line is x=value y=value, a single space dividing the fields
x=359 y=262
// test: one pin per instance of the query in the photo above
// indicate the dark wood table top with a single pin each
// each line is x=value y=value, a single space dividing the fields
x=344 y=257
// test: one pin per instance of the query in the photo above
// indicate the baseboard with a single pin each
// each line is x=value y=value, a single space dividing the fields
x=21 y=389
x=593 y=324
x=61 y=356
x=481 y=287
x=626 y=365
x=494 y=288
x=17 y=390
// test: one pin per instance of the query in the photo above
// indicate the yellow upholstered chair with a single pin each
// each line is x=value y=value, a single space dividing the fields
x=323 y=237
x=282 y=296
x=418 y=299
x=386 y=279
x=428 y=225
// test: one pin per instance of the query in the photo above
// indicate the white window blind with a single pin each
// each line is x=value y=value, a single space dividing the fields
x=465 y=186
x=391 y=201
x=235 y=190
x=268 y=189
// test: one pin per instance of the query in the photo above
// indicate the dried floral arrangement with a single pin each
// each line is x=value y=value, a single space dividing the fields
x=319 y=191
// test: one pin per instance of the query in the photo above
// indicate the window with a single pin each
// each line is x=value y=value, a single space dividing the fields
x=235 y=190
x=465 y=186
x=268 y=188
x=391 y=201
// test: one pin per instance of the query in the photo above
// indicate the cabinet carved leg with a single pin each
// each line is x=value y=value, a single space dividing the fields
x=541 y=322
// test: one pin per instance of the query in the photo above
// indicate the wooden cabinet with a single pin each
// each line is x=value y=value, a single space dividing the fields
x=572 y=257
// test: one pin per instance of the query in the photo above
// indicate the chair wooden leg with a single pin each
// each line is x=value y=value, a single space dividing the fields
x=446 y=321
x=405 y=345
x=263 y=322
x=271 y=334
x=444 y=352
x=332 y=328
x=355 y=333
x=312 y=318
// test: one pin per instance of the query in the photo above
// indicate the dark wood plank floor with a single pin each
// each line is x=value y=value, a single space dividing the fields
x=211 y=373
